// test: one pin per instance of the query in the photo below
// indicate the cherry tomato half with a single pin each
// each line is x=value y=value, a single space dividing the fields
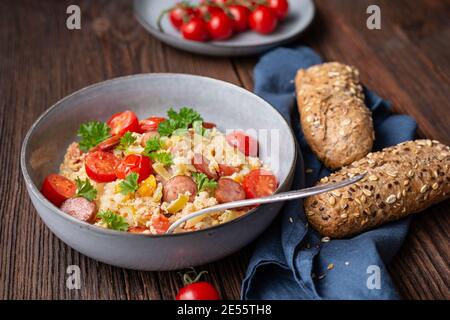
x=122 y=122
x=259 y=183
x=263 y=20
x=57 y=188
x=220 y=26
x=198 y=291
x=160 y=223
x=134 y=163
x=137 y=229
x=150 y=124
x=195 y=30
x=279 y=7
x=100 y=166
x=178 y=14
x=244 y=143
x=240 y=17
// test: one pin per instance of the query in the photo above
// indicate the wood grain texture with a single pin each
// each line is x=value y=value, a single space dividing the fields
x=407 y=62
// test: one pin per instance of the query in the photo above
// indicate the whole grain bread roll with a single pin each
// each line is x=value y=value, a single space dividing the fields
x=399 y=181
x=335 y=121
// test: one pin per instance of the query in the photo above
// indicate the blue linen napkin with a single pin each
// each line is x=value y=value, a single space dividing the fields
x=290 y=260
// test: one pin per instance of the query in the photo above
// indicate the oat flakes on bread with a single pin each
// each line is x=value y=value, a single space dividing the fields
x=399 y=181
x=335 y=121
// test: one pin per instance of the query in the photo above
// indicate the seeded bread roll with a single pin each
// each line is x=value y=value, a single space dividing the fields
x=335 y=121
x=399 y=181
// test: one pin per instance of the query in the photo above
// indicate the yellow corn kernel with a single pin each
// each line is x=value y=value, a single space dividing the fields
x=147 y=187
x=178 y=204
x=159 y=169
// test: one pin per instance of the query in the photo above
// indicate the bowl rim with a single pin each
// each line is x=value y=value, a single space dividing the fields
x=54 y=209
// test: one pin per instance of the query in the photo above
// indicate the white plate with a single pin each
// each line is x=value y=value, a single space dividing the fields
x=301 y=13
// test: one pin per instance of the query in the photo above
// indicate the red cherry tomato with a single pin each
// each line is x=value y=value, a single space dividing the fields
x=160 y=223
x=57 y=189
x=122 y=122
x=240 y=17
x=208 y=125
x=259 y=183
x=178 y=14
x=198 y=291
x=205 y=11
x=108 y=144
x=150 y=124
x=225 y=170
x=100 y=166
x=134 y=163
x=244 y=143
x=195 y=30
x=279 y=7
x=263 y=20
x=220 y=26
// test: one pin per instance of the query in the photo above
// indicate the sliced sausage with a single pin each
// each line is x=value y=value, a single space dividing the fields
x=226 y=170
x=179 y=185
x=138 y=229
x=80 y=208
x=147 y=136
x=108 y=144
x=202 y=164
x=229 y=190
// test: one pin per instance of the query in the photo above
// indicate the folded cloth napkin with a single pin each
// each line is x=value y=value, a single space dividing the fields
x=290 y=260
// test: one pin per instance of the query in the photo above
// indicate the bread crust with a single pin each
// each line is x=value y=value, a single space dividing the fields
x=399 y=181
x=335 y=121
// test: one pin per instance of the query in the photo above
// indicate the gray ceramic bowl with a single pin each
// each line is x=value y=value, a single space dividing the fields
x=225 y=104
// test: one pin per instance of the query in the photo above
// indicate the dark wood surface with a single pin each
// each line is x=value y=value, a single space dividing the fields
x=407 y=62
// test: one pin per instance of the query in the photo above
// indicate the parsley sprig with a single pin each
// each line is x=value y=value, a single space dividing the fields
x=163 y=157
x=152 y=145
x=85 y=189
x=203 y=182
x=126 y=140
x=178 y=120
x=129 y=184
x=151 y=149
x=92 y=133
x=113 y=220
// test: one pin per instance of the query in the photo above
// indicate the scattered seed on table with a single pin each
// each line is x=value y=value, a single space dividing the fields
x=330 y=266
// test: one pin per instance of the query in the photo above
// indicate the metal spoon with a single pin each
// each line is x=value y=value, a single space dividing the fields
x=284 y=196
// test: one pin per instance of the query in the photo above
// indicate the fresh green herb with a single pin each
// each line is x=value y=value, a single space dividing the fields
x=92 y=133
x=198 y=127
x=178 y=120
x=167 y=127
x=163 y=157
x=85 y=189
x=202 y=181
x=127 y=140
x=152 y=145
x=113 y=220
x=129 y=184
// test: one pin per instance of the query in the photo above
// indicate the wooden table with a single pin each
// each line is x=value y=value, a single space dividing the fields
x=41 y=61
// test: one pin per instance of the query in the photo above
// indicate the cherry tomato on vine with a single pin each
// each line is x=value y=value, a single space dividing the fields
x=240 y=16
x=263 y=20
x=220 y=26
x=195 y=30
x=197 y=290
x=279 y=7
x=178 y=14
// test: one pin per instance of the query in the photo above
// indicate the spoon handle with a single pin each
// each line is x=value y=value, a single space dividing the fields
x=278 y=197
